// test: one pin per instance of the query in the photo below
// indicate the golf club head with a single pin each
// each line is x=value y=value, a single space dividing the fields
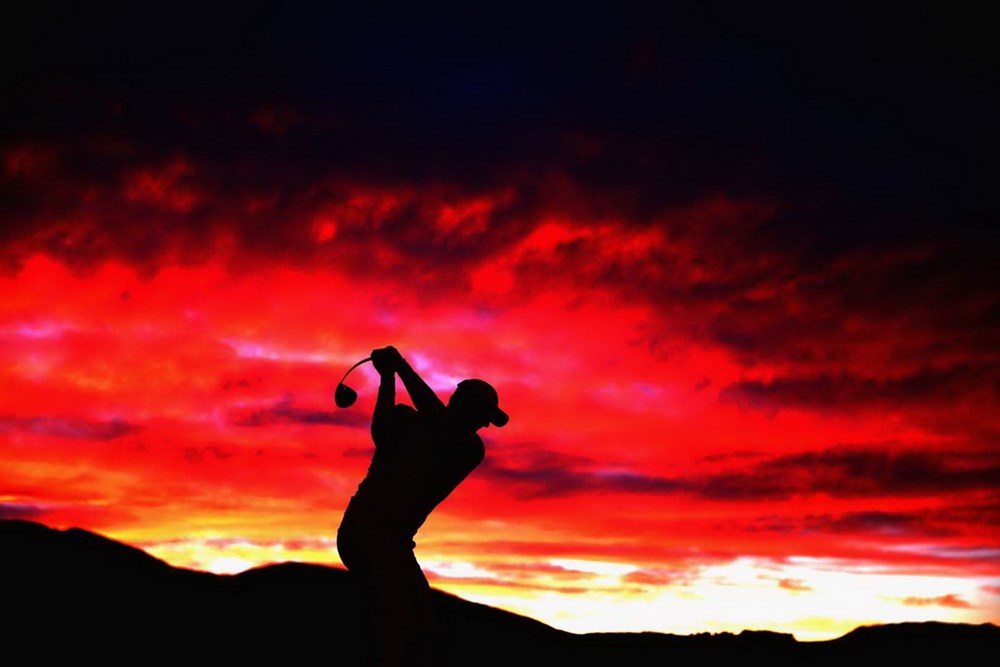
x=344 y=396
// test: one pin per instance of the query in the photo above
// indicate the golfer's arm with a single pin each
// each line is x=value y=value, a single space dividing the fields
x=423 y=397
x=382 y=417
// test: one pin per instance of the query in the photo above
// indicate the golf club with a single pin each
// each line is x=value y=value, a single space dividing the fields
x=344 y=396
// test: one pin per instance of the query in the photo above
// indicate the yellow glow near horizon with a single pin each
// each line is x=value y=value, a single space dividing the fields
x=229 y=565
x=813 y=599
x=810 y=602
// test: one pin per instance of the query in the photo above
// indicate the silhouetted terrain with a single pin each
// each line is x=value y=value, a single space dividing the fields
x=76 y=595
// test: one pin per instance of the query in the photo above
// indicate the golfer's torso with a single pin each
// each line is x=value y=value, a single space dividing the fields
x=410 y=475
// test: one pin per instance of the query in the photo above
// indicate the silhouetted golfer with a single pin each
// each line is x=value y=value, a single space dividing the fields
x=421 y=455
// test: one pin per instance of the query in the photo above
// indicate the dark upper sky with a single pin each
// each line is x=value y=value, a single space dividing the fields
x=882 y=106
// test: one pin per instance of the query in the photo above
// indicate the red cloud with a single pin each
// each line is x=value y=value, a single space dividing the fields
x=794 y=585
x=952 y=601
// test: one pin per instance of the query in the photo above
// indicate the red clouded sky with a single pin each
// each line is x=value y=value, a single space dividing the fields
x=750 y=385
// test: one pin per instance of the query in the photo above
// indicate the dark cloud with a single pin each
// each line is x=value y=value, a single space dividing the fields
x=839 y=472
x=932 y=307
x=856 y=472
x=200 y=454
x=557 y=482
x=69 y=427
x=20 y=511
x=985 y=553
x=541 y=473
x=738 y=456
x=881 y=523
x=933 y=523
x=286 y=412
x=851 y=392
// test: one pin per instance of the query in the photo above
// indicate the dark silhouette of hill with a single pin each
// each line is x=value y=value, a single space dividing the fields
x=74 y=595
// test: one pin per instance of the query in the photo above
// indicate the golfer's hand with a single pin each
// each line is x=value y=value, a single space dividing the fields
x=386 y=360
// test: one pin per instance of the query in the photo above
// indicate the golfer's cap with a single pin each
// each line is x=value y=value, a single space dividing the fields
x=485 y=392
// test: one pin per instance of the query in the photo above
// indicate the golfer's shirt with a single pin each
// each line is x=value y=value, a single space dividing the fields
x=418 y=461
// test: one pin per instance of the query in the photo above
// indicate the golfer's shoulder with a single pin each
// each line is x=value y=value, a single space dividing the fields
x=476 y=449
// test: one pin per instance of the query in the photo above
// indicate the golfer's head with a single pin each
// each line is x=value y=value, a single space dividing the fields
x=477 y=404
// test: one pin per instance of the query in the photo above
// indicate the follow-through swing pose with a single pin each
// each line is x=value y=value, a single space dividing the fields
x=421 y=455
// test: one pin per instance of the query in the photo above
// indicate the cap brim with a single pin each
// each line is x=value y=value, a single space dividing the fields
x=500 y=418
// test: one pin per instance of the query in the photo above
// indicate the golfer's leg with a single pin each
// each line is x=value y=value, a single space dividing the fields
x=396 y=610
x=429 y=649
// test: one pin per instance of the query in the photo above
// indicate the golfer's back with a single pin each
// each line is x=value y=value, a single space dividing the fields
x=417 y=463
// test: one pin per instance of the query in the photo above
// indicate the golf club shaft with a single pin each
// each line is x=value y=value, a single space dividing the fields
x=366 y=359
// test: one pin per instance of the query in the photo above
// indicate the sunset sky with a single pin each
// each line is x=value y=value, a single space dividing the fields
x=734 y=276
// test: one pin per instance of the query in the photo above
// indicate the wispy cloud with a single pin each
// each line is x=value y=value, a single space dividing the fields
x=25 y=511
x=953 y=601
x=843 y=472
x=285 y=411
x=77 y=428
